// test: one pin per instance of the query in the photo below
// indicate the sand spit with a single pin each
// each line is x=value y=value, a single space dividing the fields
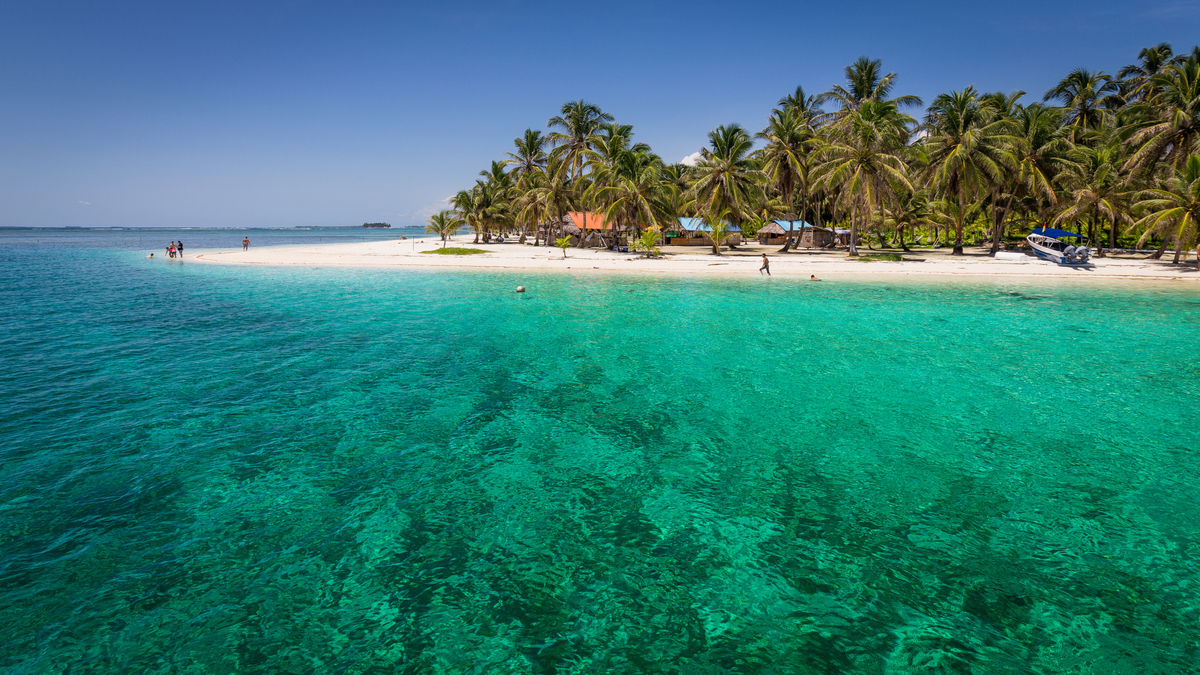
x=678 y=260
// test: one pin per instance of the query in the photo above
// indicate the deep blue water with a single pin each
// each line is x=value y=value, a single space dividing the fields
x=216 y=469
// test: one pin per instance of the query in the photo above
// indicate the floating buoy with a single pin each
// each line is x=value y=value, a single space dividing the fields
x=520 y=289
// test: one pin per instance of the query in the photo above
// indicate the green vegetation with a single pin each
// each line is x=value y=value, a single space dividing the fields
x=889 y=257
x=444 y=224
x=1103 y=155
x=455 y=250
x=564 y=243
x=648 y=242
x=376 y=225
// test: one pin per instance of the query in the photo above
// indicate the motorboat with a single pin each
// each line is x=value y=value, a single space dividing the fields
x=1048 y=244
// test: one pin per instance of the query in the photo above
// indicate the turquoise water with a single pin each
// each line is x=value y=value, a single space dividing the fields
x=211 y=469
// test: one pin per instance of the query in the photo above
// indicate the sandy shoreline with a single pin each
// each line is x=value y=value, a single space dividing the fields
x=693 y=260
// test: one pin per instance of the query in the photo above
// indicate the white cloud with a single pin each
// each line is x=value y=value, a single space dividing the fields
x=428 y=210
x=691 y=160
x=88 y=203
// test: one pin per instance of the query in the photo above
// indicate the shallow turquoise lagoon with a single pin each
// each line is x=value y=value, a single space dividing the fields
x=214 y=469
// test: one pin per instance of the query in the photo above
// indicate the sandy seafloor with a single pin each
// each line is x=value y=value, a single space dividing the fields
x=351 y=467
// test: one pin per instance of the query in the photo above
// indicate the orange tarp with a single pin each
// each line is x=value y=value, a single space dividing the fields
x=595 y=221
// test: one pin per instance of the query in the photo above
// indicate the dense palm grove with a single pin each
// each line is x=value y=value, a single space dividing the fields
x=1115 y=156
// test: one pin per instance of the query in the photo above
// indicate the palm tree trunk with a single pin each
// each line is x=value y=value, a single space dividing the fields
x=903 y=245
x=853 y=236
x=787 y=243
x=1112 y=233
x=958 y=228
x=996 y=220
x=1178 y=250
x=1162 y=247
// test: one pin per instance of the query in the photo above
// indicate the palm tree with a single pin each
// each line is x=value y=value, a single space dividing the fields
x=718 y=223
x=862 y=162
x=1085 y=97
x=967 y=150
x=530 y=153
x=1098 y=190
x=865 y=83
x=1169 y=127
x=911 y=209
x=1041 y=157
x=1135 y=78
x=1173 y=210
x=785 y=159
x=635 y=192
x=550 y=196
x=444 y=224
x=727 y=179
x=471 y=207
x=578 y=121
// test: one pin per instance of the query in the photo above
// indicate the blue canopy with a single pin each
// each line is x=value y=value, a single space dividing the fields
x=793 y=224
x=697 y=225
x=1051 y=232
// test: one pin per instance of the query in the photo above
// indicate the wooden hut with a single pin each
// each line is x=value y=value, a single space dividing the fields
x=695 y=232
x=817 y=237
x=777 y=231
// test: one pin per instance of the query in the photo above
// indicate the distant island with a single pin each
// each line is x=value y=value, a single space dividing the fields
x=376 y=225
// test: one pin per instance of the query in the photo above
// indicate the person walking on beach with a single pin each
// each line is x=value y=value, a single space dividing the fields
x=765 y=266
x=179 y=248
x=245 y=243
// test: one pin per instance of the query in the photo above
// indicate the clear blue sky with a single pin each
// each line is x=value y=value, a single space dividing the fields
x=274 y=114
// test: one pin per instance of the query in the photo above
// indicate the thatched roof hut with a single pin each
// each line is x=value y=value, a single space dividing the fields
x=779 y=228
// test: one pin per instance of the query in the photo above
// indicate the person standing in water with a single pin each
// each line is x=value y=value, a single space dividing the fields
x=179 y=248
x=765 y=266
x=245 y=243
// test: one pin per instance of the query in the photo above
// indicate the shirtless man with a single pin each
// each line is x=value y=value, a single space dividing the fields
x=765 y=266
x=245 y=243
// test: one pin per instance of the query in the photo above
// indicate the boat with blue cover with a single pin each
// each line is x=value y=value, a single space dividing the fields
x=1055 y=246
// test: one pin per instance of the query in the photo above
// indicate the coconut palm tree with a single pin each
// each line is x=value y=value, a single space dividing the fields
x=530 y=154
x=911 y=209
x=1167 y=129
x=1085 y=97
x=634 y=192
x=1098 y=191
x=862 y=162
x=727 y=178
x=1172 y=211
x=1135 y=78
x=471 y=207
x=967 y=148
x=865 y=83
x=578 y=121
x=551 y=195
x=786 y=160
x=444 y=224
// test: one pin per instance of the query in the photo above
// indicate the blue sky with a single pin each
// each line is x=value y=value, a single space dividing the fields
x=274 y=114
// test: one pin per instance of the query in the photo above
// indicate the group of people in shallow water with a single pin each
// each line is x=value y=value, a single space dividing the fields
x=766 y=267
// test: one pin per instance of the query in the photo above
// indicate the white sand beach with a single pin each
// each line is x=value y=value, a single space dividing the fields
x=695 y=260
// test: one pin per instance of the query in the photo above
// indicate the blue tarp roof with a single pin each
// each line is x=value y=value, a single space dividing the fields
x=1051 y=232
x=697 y=225
x=793 y=224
